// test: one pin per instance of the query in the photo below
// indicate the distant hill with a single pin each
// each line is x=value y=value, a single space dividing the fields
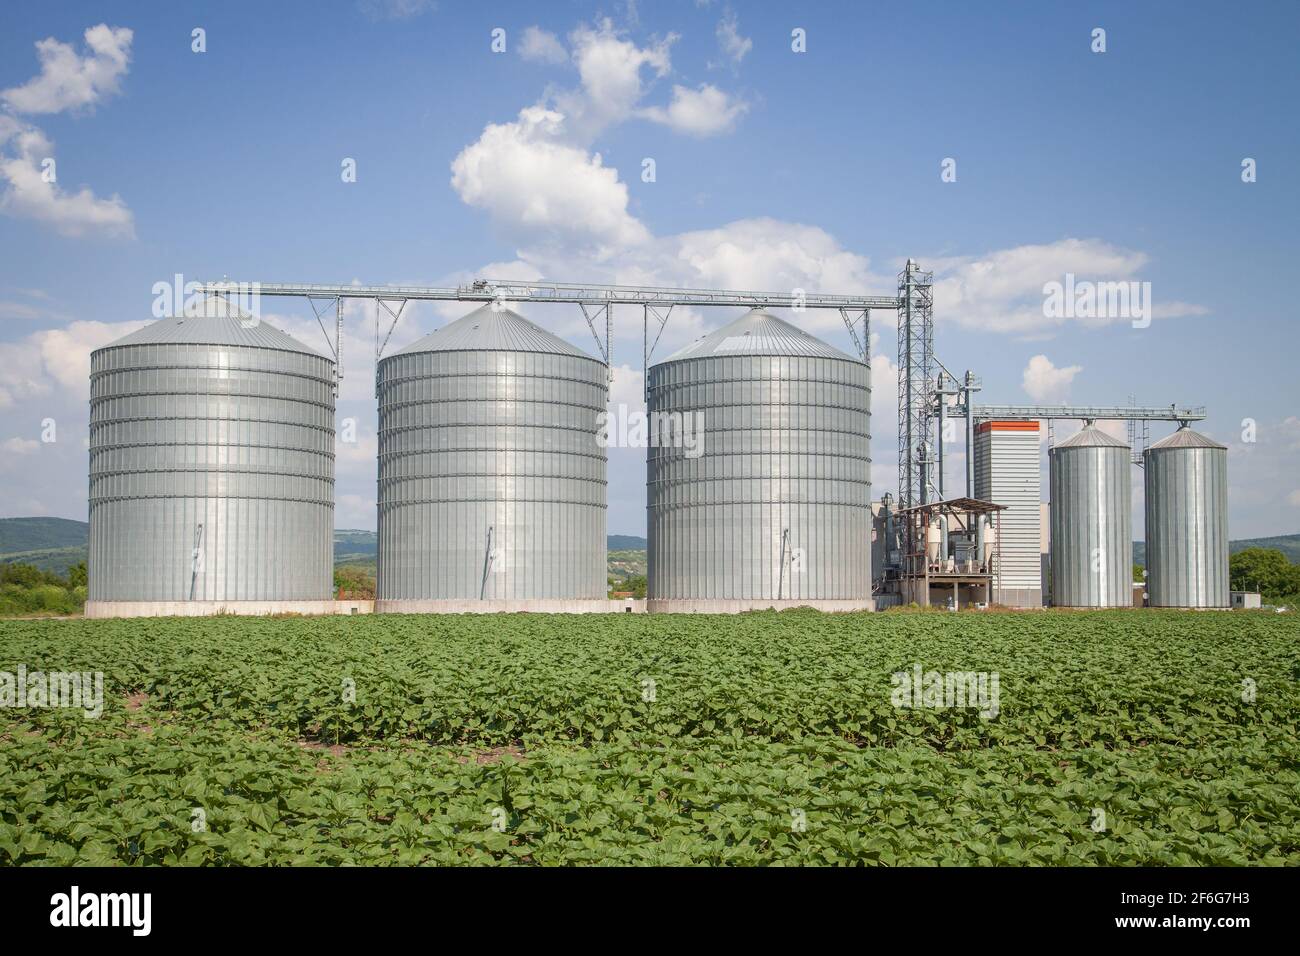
x=51 y=544
x=59 y=543
x=352 y=546
x=1288 y=544
x=55 y=544
x=40 y=534
x=626 y=563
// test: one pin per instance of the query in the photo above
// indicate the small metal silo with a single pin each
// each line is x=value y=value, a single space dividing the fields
x=1091 y=521
x=772 y=505
x=211 y=469
x=492 y=477
x=1187 y=521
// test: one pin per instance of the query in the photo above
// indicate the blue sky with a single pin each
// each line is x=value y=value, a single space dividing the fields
x=773 y=169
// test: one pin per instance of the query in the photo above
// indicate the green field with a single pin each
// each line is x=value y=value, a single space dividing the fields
x=1119 y=738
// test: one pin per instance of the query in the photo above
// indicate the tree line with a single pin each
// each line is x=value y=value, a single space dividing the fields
x=25 y=589
x=1268 y=571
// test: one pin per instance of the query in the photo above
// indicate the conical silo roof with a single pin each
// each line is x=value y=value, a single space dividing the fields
x=1185 y=438
x=488 y=330
x=758 y=332
x=217 y=322
x=1091 y=437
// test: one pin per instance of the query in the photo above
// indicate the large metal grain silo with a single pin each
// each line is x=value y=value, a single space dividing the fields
x=1092 y=523
x=491 y=471
x=768 y=502
x=211 y=469
x=1187 y=521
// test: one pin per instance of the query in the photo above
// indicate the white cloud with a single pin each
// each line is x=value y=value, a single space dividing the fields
x=733 y=46
x=707 y=111
x=71 y=81
x=66 y=81
x=19 y=446
x=556 y=201
x=1176 y=309
x=884 y=378
x=750 y=254
x=537 y=177
x=767 y=254
x=628 y=387
x=45 y=375
x=20 y=311
x=356 y=456
x=1261 y=474
x=20 y=372
x=531 y=182
x=395 y=9
x=1114 y=429
x=1044 y=382
x=611 y=70
x=542 y=46
x=55 y=361
x=1287 y=434
x=26 y=194
x=65 y=353
x=1002 y=291
x=354 y=511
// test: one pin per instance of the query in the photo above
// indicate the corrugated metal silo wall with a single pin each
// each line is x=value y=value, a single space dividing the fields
x=225 y=449
x=786 y=446
x=1092 y=526
x=472 y=442
x=1187 y=527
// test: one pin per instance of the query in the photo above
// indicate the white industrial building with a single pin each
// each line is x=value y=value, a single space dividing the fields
x=1007 y=470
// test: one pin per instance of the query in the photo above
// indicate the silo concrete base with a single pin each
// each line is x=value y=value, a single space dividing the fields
x=715 y=606
x=539 y=606
x=103 y=609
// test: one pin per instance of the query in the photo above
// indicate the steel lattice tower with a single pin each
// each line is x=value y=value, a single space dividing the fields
x=915 y=383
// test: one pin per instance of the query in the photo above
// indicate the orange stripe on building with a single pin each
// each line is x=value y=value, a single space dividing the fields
x=1007 y=426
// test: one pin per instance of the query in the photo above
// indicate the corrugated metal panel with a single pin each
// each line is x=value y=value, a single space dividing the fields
x=1186 y=438
x=1007 y=472
x=1187 y=521
x=219 y=324
x=487 y=329
x=759 y=333
x=201 y=443
x=777 y=506
x=1092 y=521
x=1091 y=437
x=492 y=482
